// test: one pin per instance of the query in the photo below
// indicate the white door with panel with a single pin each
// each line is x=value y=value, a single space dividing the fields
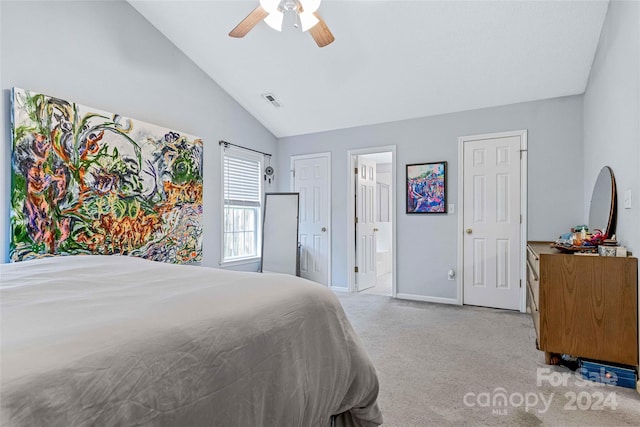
x=366 y=276
x=491 y=220
x=311 y=181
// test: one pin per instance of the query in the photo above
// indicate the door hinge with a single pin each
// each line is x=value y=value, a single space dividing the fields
x=520 y=282
x=294 y=173
x=520 y=218
x=355 y=220
x=355 y=269
x=355 y=171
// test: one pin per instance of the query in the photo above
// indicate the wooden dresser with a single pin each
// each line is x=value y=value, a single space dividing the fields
x=584 y=306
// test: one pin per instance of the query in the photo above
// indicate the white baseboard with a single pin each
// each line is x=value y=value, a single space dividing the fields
x=438 y=300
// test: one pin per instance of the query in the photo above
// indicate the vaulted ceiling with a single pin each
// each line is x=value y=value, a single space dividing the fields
x=391 y=60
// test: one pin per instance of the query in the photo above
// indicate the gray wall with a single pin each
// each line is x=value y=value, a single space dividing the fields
x=612 y=115
x=426 y=244
x=106 y=55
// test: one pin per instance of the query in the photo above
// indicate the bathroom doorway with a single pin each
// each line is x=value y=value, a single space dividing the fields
x=373 y=210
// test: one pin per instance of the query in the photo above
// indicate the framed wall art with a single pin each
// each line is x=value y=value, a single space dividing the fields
x=427 y=188
x=85 y=181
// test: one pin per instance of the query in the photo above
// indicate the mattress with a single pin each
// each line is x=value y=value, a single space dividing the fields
x=123 y=341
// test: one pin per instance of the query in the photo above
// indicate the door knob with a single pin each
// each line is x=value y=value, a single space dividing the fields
x=375 y=229
x=323 y=229
x=469 y=231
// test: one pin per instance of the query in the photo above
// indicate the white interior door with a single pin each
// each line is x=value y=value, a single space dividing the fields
x=491 y=221
x=366 y=275
x=311 y=181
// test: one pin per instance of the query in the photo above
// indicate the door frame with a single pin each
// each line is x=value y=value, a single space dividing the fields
x=523 y=210
x=351 y=214
x=292 y=184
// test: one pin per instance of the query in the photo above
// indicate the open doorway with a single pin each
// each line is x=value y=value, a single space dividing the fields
x=372 y=205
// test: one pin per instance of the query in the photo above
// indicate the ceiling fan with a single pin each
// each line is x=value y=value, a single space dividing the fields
x=272 y=12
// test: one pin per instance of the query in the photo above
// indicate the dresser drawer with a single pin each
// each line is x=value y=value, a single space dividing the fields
x=533 y=278
x=533 y=283
x=535 y=315
x=533 y=261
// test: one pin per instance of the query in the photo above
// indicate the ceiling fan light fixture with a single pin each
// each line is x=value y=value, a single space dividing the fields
x=270 y=6
x=308 y=20
x=272 y=13
x=309 y=6
x=274 y=20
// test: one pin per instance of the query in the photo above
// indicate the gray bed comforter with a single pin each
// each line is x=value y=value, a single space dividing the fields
x=120 y=341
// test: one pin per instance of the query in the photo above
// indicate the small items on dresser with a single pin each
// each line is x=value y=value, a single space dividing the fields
x=579 y=240
x=619 y=251
x=579 y=235
x=609 y=247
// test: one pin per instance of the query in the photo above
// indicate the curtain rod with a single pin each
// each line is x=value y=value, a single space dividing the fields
x=226 y=144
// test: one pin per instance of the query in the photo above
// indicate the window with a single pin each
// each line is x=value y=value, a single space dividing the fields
x=242 y=202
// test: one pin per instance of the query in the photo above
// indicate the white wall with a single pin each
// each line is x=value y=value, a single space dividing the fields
x=612 y=115
x=426 y=244
x=383 y=173
x=106 y=55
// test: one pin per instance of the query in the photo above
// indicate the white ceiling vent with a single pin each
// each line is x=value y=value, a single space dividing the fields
x=271 y=98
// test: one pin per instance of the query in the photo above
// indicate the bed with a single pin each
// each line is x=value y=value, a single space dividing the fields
x=122 y=341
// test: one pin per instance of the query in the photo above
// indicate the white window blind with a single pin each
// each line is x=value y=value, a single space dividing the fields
x=242 y=205
x=242 y=181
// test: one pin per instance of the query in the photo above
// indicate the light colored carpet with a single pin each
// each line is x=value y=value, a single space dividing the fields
x=443 y=365
x=383 y=286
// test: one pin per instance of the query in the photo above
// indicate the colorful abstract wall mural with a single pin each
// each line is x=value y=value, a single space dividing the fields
x=89 y=182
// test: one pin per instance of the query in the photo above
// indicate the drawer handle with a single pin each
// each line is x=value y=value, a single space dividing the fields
x=533 y=254
x=535 y=275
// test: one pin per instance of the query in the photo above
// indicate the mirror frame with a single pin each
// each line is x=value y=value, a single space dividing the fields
x=276 y=231
x=611 y=222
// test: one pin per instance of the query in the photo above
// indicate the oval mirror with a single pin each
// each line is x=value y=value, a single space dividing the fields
x=602 y=209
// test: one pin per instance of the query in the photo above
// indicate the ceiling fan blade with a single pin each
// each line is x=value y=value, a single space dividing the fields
x=321 y=33
x=257 y=15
